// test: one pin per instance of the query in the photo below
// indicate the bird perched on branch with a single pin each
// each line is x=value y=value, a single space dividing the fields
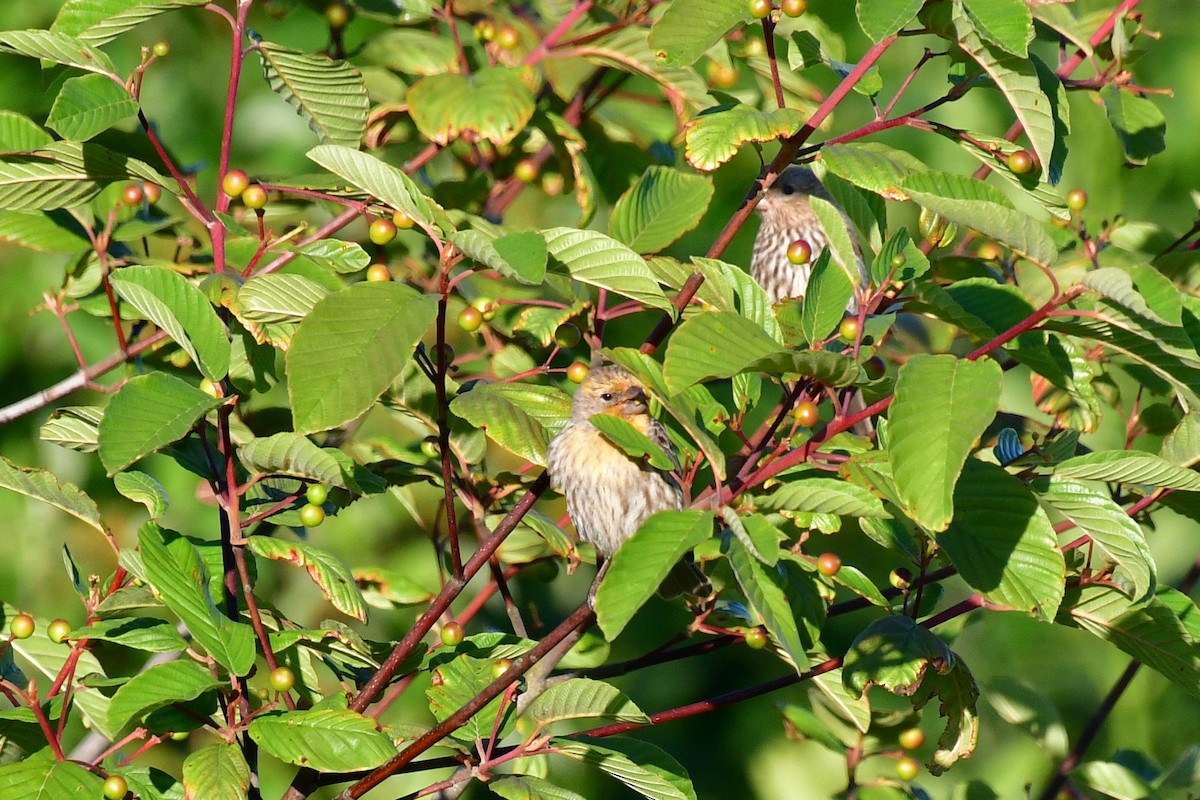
x=609 y=494
x=787 y=216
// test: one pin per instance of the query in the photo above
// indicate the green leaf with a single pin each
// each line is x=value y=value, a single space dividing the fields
x=382 y=181
x=145 y=489
x=175 y=572
x=974 y=204
x=1118 y=540
x=1118 y=285
x=327 y=739
x=45 y=778
x=1006 y=23
x=1182 y=446
x=1028 y=710
x=520 y=255
x=636 y=444
x=57 y=48
x=53 y=232
x=958 y=700
x=295 y=455
x=824 y=496
x=1129 y=467
x=100 y=21
x=527 y=787
x=333 y=254
x=216 y=772
x=1111 y=779
x=158 y=686
x=492 y=103
x=641 y=564
x=662 y=205
x=65 y=174
x=1002 y=543
x=715 y=136
x=270 y=306
x=714 y=344
x=598 y=260
x=880 y=19
x=329 y=93
x=1140 y=126
x=461 y=679
x=518 y=416
x=148 y=413
x=582 y=698
x=872 y=166
x=641 y=766
x=43 y=485
x=894 y=652
x=350 y=348
x=412 y=51
x=20 y=134
x=765 y=594
x=179 y=308
x=1017 y=77
x=687 y=30
x=327 y=571
x=89 y=105
x=140 y=633
x=1149 y=631
x=737 y=292
x=828 y=292
x=942 y=405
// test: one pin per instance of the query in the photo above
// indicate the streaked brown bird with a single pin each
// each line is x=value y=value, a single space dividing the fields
x=787 y=216
x=609 y=495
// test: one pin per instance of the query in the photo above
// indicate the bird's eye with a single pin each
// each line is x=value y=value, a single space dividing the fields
x=788 y=188
x=606 y=397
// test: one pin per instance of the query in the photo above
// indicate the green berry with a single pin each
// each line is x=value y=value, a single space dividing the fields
x=799 y=252
x=1021 y=162
x=234 y=182
x=22 y=626
x=254 y=196
x=115 y=787
x=912 y=738
x=756 y=638
x=1077 y=200
x=907 y=768
x=759 y=8
x=567 y=335
x=58 y=630
x=470 y=319
x=311 y=515
x=282 y=679
x=452 y=634
x=317 y=494
x=161 y=48
x=382 y=231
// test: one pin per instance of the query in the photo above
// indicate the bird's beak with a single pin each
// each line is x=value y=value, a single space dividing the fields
x=634 y=400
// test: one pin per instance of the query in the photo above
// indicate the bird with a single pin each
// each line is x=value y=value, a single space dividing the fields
x=609 y=494
x=787 y=215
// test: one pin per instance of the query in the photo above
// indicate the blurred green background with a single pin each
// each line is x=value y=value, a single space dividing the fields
x=734 y=752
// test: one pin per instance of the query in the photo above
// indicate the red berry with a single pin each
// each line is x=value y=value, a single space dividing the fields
x=132 y=194
x=912 y=738
x=234 y=182
x=1021 y=162
x=799 y=252
x=152 y=192
x=759 y=8
x=470 y=319
x=828 y=564
x=382 y=231
x=806 y=414
x=452 y=634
